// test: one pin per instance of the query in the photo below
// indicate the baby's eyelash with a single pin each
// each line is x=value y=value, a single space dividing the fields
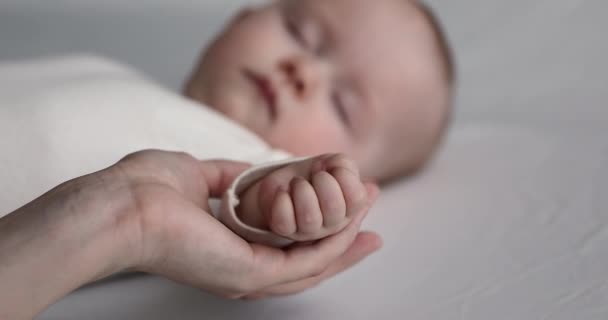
x=294 y=31
x=340 y=108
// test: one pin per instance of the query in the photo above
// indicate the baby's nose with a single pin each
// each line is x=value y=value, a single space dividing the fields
x=300 y=75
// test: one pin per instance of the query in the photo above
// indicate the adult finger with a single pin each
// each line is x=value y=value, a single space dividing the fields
x=364 y=245
x=219 y=174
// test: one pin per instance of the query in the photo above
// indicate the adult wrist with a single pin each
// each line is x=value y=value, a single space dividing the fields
x=66 y=238
x=106 y=209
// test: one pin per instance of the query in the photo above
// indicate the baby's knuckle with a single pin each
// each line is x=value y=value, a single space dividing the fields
x=269 y=183
x=346 y=178
x=318 y=165
x=358 y=198
x=344 y=161
x=333 y=207
x=311 y=218
x=305 y=226
x=281 y=227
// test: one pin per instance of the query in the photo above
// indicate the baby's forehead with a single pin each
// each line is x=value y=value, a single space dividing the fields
x=388 y=51
x=383 y=36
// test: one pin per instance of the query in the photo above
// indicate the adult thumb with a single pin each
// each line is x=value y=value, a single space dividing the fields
x=219 y=174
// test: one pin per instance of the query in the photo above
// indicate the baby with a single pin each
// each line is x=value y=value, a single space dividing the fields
x=369 y=79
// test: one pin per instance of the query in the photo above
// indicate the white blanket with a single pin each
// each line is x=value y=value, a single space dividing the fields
x=63 y=118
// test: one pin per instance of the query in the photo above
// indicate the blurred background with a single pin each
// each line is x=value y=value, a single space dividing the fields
x=519 y=56
x=510 y=223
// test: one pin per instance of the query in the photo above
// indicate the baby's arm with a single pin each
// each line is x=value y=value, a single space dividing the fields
x=305 y=201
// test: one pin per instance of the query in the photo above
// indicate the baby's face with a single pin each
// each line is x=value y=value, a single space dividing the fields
x=325 y=76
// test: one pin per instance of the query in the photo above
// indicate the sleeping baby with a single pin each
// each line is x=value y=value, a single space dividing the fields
x=321 y=95
x=369 y=79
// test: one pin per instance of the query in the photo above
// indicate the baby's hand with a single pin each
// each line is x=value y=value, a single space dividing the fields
x=306 y=201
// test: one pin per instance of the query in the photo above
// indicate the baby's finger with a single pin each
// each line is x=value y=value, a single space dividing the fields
x=320 y=163
x=373 y=191
x=280 y=179
x=307 y=211
x=354 y=191
x=331 y=200
x=268 y=190
x=282 y=220
x=341 y=161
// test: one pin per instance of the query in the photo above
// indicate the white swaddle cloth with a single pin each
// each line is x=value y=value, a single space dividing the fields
x=67 y=117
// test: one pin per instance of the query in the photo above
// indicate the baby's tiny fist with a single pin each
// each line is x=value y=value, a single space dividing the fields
x=308 y=215
x=282 y=220
x=331 y=199
x=346 y=180
x=319 y=205
x=306 y=201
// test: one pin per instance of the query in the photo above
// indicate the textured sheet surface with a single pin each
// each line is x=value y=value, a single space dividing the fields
x=511 y=222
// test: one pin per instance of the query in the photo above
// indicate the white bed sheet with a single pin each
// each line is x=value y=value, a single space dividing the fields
x=510 y=222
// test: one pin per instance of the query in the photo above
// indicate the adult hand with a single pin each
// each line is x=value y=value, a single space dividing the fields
x=182 y=241
x=150 y=212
